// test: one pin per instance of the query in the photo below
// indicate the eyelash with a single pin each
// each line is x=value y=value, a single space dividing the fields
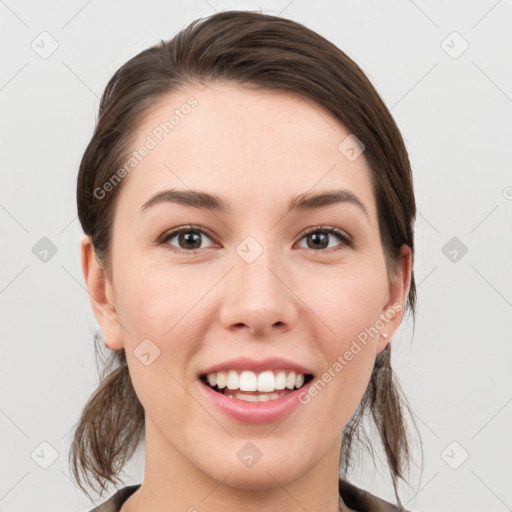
x=342 y=237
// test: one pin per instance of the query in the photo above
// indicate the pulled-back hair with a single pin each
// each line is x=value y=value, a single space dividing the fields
x=258 y=51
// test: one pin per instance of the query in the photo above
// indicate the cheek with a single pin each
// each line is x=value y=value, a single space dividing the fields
x=355 y=367
x=343 y=382
x=348 y=307
x=152 y=299
x=346 y=304
x=159 y=316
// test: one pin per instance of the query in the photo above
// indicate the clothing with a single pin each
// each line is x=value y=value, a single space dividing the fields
x=355 y=498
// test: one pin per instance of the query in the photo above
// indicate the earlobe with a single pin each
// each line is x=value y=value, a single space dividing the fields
x=101 y=296
x=383 y=342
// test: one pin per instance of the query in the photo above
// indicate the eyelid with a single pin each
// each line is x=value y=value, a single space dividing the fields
x=189 y=227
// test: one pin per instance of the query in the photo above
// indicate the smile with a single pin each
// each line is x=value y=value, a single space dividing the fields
x=250 y=386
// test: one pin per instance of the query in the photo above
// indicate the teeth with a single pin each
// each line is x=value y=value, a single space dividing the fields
x=221 y=379
x=267 y=382
x=280 y=382
x=212 y=379
x=233 y=381
x=248 y=381
x=290 y=380
x=256 y=398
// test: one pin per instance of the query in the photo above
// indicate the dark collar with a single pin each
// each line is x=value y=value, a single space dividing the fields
x=354 y=497
x=360 y=500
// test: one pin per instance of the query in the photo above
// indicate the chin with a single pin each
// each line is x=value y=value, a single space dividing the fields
x=258 y=480
x=262 y=475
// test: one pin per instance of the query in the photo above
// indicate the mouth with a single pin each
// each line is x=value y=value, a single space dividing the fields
x=252 y=386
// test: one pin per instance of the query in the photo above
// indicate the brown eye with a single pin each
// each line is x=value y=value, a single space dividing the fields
x=188 y=239
x=319 y=238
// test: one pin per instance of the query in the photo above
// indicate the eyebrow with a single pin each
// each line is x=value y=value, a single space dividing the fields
x=211 y=202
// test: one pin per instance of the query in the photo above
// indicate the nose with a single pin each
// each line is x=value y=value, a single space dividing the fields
x=258 y=297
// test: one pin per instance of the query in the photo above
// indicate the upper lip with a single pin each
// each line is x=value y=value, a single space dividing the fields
x=245 y=363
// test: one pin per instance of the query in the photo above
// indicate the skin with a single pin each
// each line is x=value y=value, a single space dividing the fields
x=257 y=149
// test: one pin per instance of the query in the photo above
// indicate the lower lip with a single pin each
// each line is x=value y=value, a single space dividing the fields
x=255 y=412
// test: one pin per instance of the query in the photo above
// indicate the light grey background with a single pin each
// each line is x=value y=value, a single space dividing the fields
x=454 y=109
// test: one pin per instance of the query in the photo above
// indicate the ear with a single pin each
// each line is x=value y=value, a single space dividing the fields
x=393 y=311
x=101 y=294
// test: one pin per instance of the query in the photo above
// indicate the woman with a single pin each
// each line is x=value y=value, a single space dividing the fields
x=248 y=211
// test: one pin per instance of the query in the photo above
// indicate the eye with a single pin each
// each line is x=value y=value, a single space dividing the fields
x=319 y=237
x=189 y=239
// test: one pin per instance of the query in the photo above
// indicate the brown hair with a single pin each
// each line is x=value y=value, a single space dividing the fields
x=259 y=51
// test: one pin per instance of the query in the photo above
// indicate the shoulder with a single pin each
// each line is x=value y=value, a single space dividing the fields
x=359 y=500
x=114 y=503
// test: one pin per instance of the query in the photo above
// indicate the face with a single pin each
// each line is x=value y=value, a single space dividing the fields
x=268 y=284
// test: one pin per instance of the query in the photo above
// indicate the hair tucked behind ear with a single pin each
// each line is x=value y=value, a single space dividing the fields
x=110 y=427
x=262 y=52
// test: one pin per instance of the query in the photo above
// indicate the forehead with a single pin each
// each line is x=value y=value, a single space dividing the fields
x=243 y=113
x=238 y=142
